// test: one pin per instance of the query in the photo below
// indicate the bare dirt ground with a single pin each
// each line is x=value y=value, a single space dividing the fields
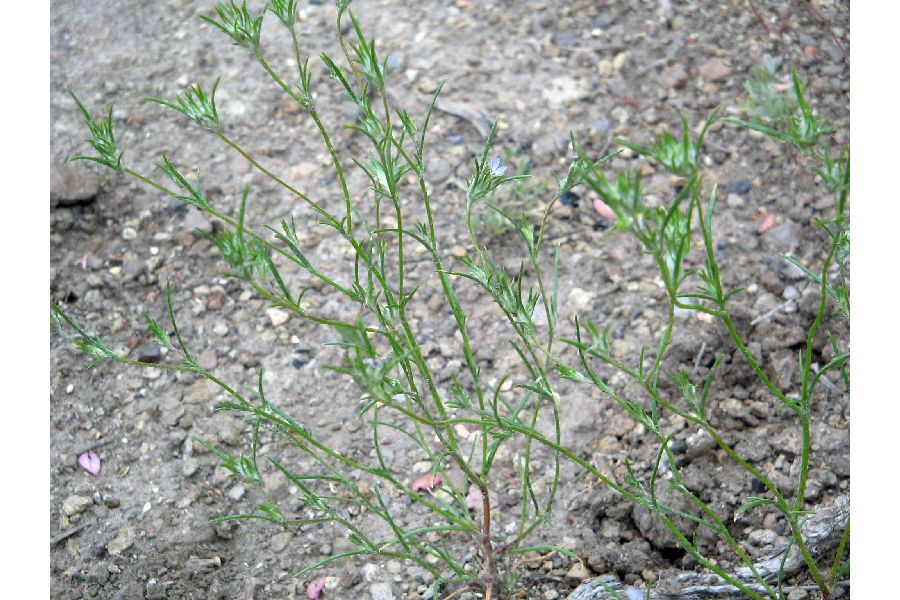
x=598 y=69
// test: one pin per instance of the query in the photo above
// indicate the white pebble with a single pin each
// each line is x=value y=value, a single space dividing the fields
x=236 y=493
x=278 y=316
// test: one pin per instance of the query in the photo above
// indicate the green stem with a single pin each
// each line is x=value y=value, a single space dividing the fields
x=805 y=390
x=346 y=52
x=338 y=167
x=664 y=341
x=312 y=204
x=845 y=537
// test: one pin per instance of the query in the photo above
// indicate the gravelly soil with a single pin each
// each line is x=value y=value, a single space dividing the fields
x=598 y=69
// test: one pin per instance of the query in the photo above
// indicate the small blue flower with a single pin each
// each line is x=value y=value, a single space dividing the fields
x=497 y=169
x=375 y=363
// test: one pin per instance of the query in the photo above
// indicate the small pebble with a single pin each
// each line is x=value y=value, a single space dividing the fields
x=569 y=199
x=149 y=353
x=678 y=446
x=278 y=316
x=734 y=201
x=236 y=493
x=382 y=591
x=280 y=541
x=74 y=504
x=762 y=537
x=578 y=573
x=740 y=187
x=798 y=594
x=122 y=542
x=394 y=566
x=189 y=466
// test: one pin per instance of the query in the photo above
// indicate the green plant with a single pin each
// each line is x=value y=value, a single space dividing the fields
x=666 y=235
x=765 y=101
x=521 y=197
x=383 y=354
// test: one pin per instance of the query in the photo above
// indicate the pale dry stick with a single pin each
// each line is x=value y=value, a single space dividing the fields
x=69 y=533
x=768 y=314
x=700 y=354
x=78 y=450
x=786 y=15
x=825 y=381
x=808 y=5
x=759 y=16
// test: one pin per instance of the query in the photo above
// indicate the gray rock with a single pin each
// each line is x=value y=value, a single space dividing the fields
x=673 y=77
x=713 y=70
x=122 y=542
x=132 y=269
x=782 y=368
x=577 y=573
x=149 y=353
x=563 y=90
x=280 y=541
x=189 y=466
x=196 y=220
x=71 y=184
x=208 y=359
x=813 y=491
x=653 y=529
x=225 y=530
x=131 y=590
x=741 y=187
x=783 y=238
x=236 y=493
x=825 y=477
x=97 y=573
x=762 y=537
x=200 y=392
x=381 y=591
x=798 y=594
x=227 y=429
x=155 y=590
x=75 y=504
x=775 y=337
x=810 y=300
x=618 y=87
x=171 y=409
